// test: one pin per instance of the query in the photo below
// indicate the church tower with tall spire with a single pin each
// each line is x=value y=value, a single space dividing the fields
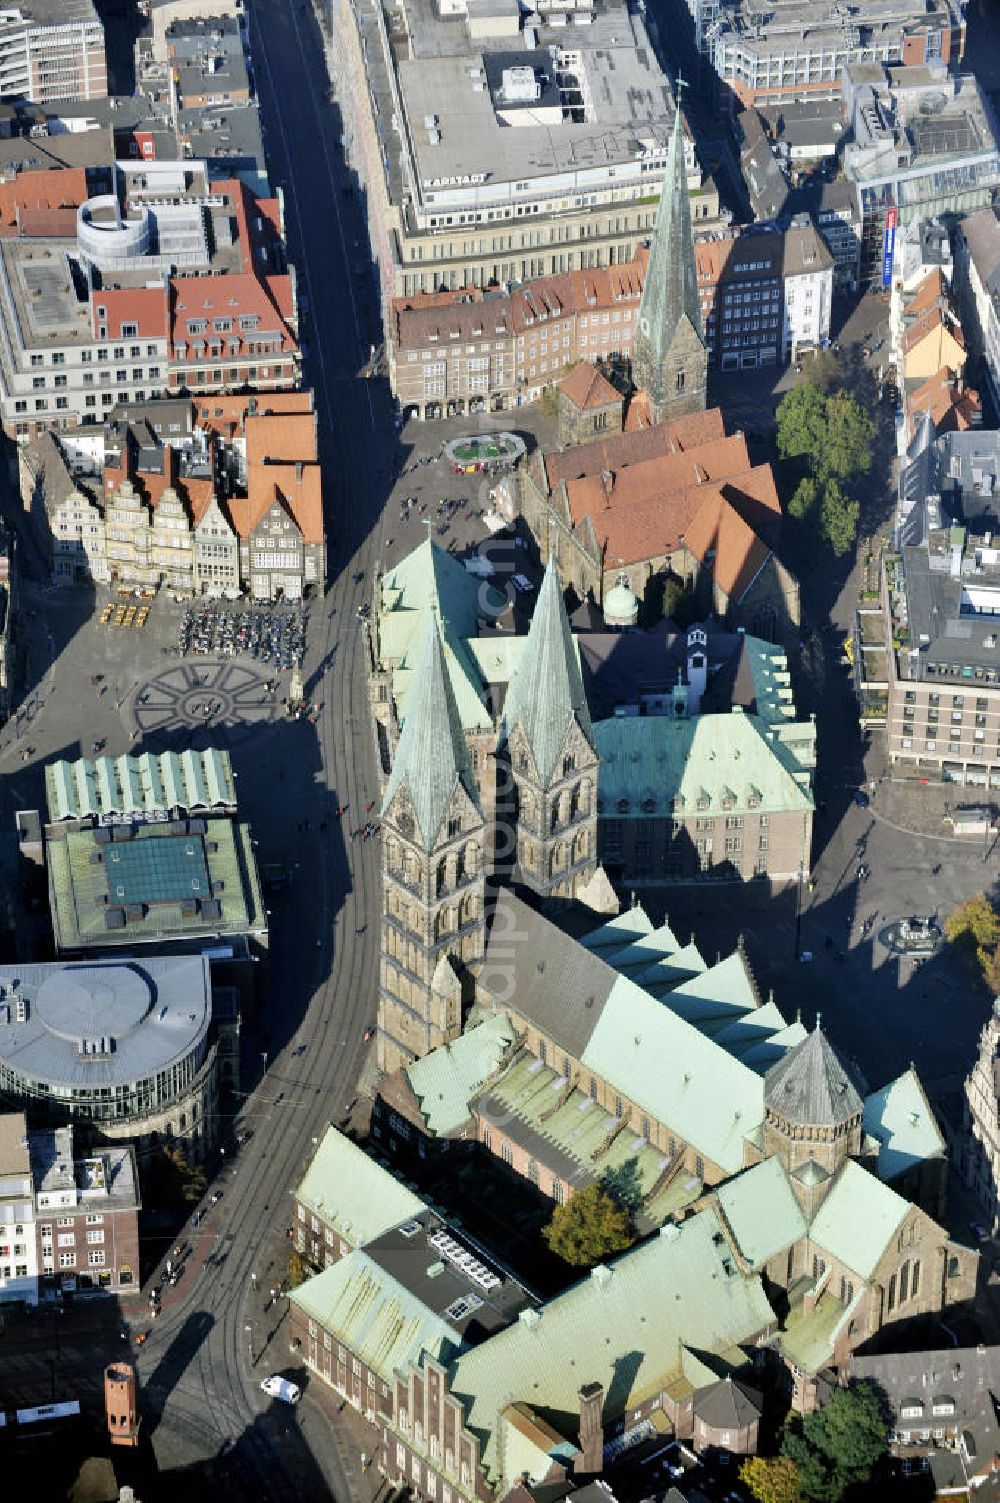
x=433 y=890
x=669 y=354
x=547 y=743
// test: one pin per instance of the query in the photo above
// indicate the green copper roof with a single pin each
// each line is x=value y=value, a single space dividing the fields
x=529 y=1445
x=670 y=1069
x=858 y=1219
x=623 y=1327
x=430 y=580
x=573 y=1136
x=546 y=694
x=146 y=785
x=375 y=1316
x=762 y=1212
x=349 y=1190
x=670 y=291
x=432 y=758
x=808 y=1340
x=447 y=1078
x=899 y=1116
x=618 y=931
x=648 y=762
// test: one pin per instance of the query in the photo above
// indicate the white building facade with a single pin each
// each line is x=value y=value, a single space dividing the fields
x=18 y=1256
x=807 y=271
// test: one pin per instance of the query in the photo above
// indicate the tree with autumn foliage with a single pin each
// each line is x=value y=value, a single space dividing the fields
x=771 y=1479
x=589 y=1227
x=974 y=928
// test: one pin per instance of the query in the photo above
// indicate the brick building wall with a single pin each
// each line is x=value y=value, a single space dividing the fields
x=88 y=1242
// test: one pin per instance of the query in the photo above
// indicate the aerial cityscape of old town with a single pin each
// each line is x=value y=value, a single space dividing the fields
x=500 y=751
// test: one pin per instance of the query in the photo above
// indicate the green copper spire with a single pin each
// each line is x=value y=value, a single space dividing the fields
x=432 y=757
x=670 y=292
x=546 y=692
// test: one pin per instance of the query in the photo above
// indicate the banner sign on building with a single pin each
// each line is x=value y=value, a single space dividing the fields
x=889 y=246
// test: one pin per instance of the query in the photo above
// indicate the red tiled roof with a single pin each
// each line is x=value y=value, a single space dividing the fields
x=258 y=222
x=622 y=449
x=30 y=192
x=657 y=477
x=928 y=293
x=952 y=407
x=272 y=437
x=467 y=314
x=55 y=224
x=146 y=307
x=927 y=323
x=299 y=490
x=585 y=387
x=234 y=296
x=227 y=415
x=719 y=534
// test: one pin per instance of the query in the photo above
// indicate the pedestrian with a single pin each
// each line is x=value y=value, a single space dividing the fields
x=369 y=806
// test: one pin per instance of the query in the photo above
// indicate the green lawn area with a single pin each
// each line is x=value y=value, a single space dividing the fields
x=480 y=449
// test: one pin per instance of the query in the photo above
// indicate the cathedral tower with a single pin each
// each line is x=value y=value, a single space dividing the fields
x=669 y=355
x=432 y=869
x=812 y=1117
x=549 y=747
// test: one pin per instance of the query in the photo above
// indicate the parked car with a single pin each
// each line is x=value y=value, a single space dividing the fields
x=281 y=1388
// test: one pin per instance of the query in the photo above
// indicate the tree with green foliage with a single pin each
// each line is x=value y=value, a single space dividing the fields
x=847 y=439
x=974 y=928
x=801 y=422
x=830 y=437
x=803 y=504
x=838 y=518
x=771 y=1479
x=297 y=1273
x=590 y=1226
x=839 y=1445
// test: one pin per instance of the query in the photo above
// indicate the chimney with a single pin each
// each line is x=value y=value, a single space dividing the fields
x=590 y=1461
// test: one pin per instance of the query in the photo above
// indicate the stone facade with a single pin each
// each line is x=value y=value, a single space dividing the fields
x=677 y=379
x=434 y=902
x=556 y=815
x=578 y=424
x=980 y=1150
x=434 y=905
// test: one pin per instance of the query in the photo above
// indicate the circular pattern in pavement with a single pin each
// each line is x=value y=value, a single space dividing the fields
x=228 y=699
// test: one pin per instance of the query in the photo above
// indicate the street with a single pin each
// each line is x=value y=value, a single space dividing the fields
x=200 y=1395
